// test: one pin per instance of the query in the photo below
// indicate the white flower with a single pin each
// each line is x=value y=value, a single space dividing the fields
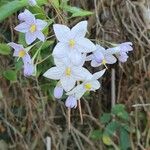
x=67 y=73
x=31 y=26
x=72 y=42
x=32 y=2
x=121 y=51
x=101 y=57
x=91 y=84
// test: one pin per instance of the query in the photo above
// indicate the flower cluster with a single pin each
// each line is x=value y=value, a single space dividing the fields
x=32 y=28
x=70 y=54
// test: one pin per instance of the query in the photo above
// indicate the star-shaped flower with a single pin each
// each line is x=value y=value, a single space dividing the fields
x=72 y=42
x=19 y=51
x=67 y=73
x=31 y=26
x=101 y=56
x=91 y=84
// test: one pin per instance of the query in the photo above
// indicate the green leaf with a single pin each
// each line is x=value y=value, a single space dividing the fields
x=124 y=139
x=10 y=75
x=105 y=118
x=111 y=128
x=76 y=12
x=9 y=8
x=96 y=135
x=4 y=49
x=119 y=110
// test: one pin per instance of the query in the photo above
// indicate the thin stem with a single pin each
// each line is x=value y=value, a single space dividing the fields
x=69 y=121
x=80 y=111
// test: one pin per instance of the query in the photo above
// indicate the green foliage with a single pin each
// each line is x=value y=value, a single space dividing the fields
x=105 y=118
x=13 y=6
x=116 y=128
x=4 y=49
x=10 y=75
x=75 y=11
x=96 y=134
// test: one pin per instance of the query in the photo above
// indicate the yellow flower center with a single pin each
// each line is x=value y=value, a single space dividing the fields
x=88 y=86
x=104 y=62
x=21 y=53
x=72 y=43
x=68 y=72
x=32 y=28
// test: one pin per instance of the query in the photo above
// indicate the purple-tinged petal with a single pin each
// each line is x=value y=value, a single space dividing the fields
x=40 y=35
x=27 y=16
x=27 y=58
x=123 y=57
x=32 y=2
x=28 y=69
x=40 y=24
x=98 y=56
x=95 y=64
x=23 y=27
x=71 y=102
x=30 y=38
x=58 y=92
x=110 y=59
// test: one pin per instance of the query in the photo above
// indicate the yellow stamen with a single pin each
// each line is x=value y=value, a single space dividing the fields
x=21 y=53
x=104 y=63
x=72 y=43
x=88 y=86
x=32 y=28
x=68 y=71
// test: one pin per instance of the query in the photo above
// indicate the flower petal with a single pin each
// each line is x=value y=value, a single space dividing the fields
x=81 y=74
x=40 y=35
x=40 y=24
x=71 y=102
x=78 y=91
x=58 y=92
x=95 y=64
x=85 y=45
x=29 y=69
x=67 y=83
x=110 y=59
x=60 y=50
x=26 y=16
x=79 y=30
x=99 y=74
x=62 y=32
x=22 y=27
x=30 y=38
x=76 y=57
x=27 y=58
x=95 y=85
x=54 y=73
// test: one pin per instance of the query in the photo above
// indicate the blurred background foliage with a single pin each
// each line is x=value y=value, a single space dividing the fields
x=28 y=111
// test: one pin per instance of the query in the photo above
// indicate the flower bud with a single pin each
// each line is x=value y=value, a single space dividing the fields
x=58 y=92
x=71 y=102
x=32 y=2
